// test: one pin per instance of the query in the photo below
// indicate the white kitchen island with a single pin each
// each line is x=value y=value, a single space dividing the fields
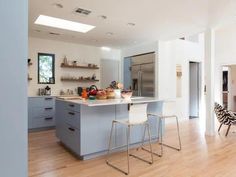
x=83 y=126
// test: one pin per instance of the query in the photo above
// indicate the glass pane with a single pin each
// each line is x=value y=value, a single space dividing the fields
x=46 y=68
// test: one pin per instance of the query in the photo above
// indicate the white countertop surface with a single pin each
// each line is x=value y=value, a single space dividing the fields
x=114 y=101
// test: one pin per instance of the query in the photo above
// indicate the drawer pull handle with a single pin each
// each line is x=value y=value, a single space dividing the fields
x=48 y=108
x=71 y=129
x=71 y=105
x=48 y=98
x=71 y=113
x=48 y=118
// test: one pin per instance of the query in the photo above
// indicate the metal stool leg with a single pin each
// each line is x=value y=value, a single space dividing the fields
x=109 y=150
x=128 y=141
x=150 y=151
x=146 y=128
x=150 y=145
x=178 y=148
x=160 y=134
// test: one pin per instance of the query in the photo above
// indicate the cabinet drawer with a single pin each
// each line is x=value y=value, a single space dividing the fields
x=43 y=122
x=41 y=102
x=71 y=138
x=72 y=118
x=38 y=112
x=73 y=107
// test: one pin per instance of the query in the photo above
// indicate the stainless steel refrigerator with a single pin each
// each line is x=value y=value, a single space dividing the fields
x=140 y=77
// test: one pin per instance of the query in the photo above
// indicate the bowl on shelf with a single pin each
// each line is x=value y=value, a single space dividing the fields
x=126 y=94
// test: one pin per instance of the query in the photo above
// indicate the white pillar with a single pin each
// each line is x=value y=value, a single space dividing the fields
x=209 y=81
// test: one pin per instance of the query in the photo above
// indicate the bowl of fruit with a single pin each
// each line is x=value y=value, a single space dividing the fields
x=101 y=95
x=126 y=94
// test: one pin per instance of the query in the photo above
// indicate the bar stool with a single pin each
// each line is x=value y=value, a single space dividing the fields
x=167 y=113
x=137 y=116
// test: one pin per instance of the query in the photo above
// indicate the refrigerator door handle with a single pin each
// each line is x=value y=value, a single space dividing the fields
x=141 y=83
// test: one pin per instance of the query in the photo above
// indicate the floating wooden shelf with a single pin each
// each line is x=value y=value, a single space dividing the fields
x=79 y=80
x=75 y=66
x=30 y=64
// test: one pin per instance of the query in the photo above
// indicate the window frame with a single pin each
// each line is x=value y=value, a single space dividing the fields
x=53 y=67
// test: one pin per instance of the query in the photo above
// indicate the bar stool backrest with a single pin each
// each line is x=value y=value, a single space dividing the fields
x=169 y=108
x=138 y=113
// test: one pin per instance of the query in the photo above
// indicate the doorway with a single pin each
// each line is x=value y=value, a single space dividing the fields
x=229 y=87
x=225 y=86
x=194 y=89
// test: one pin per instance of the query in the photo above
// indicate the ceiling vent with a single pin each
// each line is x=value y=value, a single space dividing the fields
x=83 y=12
x=55 y=34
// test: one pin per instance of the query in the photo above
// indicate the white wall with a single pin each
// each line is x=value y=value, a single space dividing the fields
x=177 y=52
x=80 y=53
x=13 y=89
x=232 y=87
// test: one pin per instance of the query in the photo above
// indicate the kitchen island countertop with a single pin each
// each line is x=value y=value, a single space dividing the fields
x=113 y=101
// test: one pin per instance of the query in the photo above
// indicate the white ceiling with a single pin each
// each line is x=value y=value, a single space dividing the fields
x=154 y=19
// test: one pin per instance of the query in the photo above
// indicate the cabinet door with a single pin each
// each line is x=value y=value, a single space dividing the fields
x=60 y=116
x=95 y=126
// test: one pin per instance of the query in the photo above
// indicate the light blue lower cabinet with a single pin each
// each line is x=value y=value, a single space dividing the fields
x=41 y=113
x=86 y=130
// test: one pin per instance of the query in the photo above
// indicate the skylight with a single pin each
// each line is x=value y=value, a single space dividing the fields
x=63 y=24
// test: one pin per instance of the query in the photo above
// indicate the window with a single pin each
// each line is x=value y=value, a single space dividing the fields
x=46 y=67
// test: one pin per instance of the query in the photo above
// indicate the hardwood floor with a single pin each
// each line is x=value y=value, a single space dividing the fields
x=201 y=156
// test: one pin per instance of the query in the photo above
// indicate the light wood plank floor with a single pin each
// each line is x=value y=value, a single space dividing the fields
x=201 y=156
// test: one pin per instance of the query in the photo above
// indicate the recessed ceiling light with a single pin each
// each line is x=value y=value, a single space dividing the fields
x=58 y=5
x=103 y=17
x=131 y=24
x=109 y=33
x=106 y=48
x=63 y=24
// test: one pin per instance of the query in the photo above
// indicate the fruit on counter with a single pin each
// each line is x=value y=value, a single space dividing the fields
x=110 y=93
x=84 y=94
x=116 y=85
x=126 y=94
x=93 y=90
x=101 y=94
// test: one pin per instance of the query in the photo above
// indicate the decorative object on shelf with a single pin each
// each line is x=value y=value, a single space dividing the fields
x=74 y=63
x=94 y=77
x=47 y=90
x=179 y=71
x=29 y=78
x=78 y=79
x=29 y=62
x=65 y=61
